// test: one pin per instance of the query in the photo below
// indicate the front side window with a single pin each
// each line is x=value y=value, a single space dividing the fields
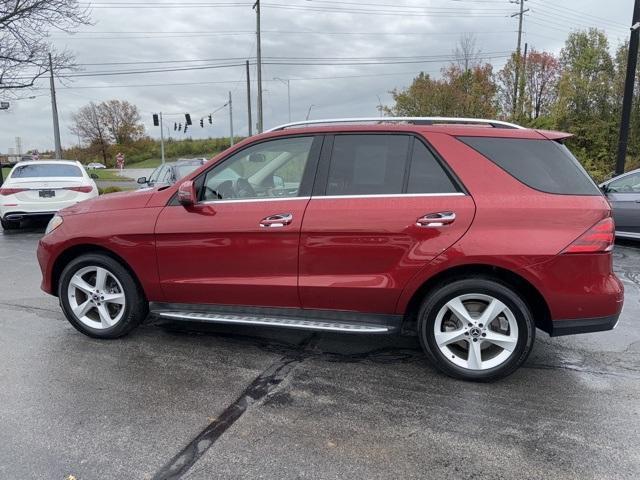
x=627 y=184
x=367 y=164
x=271 y=169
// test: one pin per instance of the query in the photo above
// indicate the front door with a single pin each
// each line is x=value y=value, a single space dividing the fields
x=239 y=244
x=384 y=206
x=624 y=195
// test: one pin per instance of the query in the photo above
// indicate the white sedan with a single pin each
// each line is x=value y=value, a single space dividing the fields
x=42 y=187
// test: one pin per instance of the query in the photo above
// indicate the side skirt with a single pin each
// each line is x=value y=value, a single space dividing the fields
x=297 y=318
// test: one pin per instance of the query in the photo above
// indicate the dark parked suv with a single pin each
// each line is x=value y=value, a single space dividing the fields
x=467 y=233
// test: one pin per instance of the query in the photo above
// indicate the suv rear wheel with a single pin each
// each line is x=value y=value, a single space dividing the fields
x=100 y=298
x=476 y=329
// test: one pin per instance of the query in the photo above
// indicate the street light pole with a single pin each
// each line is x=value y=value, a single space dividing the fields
x=286 y=81
x=627 y=99
x=309 y=111
x=230 y=121
x=161 y=139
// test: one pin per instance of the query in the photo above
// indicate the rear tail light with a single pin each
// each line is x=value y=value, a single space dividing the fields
x=11 y=191
x=598 y=238
x=86 y=189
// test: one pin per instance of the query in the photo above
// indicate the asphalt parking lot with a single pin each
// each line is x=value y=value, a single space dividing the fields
x=195 y=402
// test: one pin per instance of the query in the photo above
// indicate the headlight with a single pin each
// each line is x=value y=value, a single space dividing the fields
x=54 y=223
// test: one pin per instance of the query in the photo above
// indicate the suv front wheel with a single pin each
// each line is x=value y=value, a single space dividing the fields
x=476 y=329
x=100 y=298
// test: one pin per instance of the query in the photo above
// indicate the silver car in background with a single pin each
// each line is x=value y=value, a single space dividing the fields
x=623 y=193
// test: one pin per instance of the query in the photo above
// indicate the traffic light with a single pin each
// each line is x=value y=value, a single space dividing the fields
x=202 y=123
x=185 y=128
x=179 y=127
x=210 y=120
x=156 y=122
x=187 y=117
x=175 y=126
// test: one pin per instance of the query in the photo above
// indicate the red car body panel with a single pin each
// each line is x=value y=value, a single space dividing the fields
x=360 y=254
x=219 y=253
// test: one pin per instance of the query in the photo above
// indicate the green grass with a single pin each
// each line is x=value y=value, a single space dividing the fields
x=111 y=175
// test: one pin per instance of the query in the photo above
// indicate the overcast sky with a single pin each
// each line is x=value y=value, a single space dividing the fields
x=207 y=33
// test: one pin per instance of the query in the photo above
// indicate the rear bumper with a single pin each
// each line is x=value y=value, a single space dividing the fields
x=17 y=216
x=583 y=325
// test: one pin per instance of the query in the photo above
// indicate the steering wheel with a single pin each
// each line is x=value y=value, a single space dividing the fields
x=211 y=193
x=244 y=189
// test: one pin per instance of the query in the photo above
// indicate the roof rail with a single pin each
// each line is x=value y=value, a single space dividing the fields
x=411 y=120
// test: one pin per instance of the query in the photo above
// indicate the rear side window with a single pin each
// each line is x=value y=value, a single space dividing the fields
x=544 y=165
x=45 y=170
x=426 y=175
x=368 y=164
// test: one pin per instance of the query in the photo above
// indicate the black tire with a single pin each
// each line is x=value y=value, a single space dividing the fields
x=136 y=307
x=479 y=286
x=9 y=225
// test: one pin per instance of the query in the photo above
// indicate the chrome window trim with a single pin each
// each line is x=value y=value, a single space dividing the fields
x=391 y=195
x=335 y=197
x=246 y=200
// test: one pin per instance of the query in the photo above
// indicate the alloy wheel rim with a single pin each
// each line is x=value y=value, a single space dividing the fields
x=96 y=297
x=476 y=331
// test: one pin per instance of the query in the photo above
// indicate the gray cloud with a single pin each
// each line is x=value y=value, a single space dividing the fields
x=546 y=28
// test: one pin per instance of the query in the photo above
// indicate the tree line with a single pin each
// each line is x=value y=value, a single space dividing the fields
x=578 y=91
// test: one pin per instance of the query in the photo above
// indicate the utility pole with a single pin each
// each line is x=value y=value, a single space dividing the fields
x=516 y=82
x=161 y=139
x=256 y=7
x=230 y=120
x=54 y=109
x=249 y=98
x=627 y=100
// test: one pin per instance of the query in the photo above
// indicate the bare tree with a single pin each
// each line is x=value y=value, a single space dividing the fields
x=25 y=26
x=466 y=53
x=88 y=125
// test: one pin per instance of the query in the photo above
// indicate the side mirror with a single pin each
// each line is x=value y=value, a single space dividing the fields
x=142 y=180
x=187 y=195
x=604 y=188
x=94 y=176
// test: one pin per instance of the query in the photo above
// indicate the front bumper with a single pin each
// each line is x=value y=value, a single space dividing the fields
x=583 y=325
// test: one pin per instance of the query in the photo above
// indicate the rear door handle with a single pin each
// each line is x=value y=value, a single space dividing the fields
x=278 y=220
x=434 y=220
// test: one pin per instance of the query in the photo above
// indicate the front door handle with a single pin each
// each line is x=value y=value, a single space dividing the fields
x=278 y=220
x=434 y=220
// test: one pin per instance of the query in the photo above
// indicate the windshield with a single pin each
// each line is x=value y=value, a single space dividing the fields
x=182 y=170
x=33 y=170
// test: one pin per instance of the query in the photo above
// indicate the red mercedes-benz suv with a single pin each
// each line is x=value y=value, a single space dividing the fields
x=467 y=233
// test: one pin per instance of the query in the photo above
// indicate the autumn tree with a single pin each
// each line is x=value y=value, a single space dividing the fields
x=458 y=93
x=24 y=39
x=111 y=122
x=122 y=121
x=586 y=103
x=541 y=72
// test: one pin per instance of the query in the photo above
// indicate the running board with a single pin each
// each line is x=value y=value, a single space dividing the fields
x=325 y=325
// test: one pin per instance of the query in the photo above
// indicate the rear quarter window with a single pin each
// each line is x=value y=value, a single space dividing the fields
x=543 y=165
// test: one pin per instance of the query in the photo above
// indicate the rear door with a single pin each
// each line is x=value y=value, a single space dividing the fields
x=383 y=206
x=624 y=195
